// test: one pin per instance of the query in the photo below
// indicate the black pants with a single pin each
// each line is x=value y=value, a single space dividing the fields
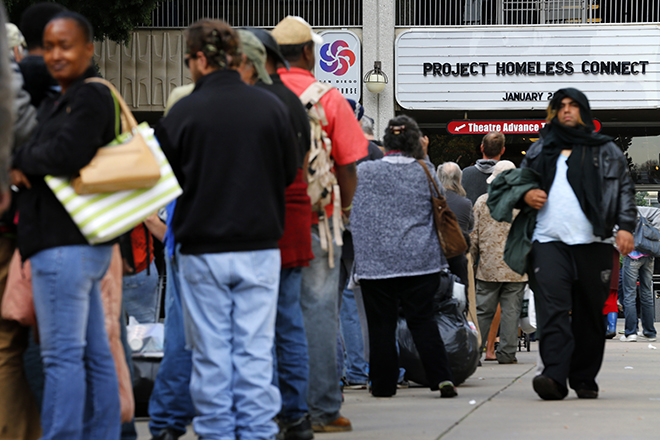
x=571 y=278
x=381 y=302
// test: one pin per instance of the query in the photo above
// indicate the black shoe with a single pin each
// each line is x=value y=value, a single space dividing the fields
x=447 y=389
x=587 y=394
x=548 y=389
x=610 y=335
x=300 y=429
x=168 y=434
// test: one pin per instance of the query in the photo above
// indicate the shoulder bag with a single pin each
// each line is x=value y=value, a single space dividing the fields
x=126 y=163
x=449 y=232
x=647 y=237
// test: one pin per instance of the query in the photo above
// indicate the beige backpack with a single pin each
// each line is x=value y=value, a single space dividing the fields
x=321 y=180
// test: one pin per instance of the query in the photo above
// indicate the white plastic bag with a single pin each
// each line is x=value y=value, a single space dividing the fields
x=145 y=340
x=528 y=312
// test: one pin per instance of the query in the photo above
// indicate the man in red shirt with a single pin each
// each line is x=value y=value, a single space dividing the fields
x=319 y=294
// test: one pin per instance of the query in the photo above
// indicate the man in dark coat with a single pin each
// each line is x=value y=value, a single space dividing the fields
x=586 y=191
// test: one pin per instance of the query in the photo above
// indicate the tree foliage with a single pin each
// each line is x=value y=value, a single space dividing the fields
x=114 y=19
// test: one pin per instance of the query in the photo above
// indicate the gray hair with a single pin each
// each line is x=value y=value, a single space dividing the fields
x=450 y=175
x=367 y=125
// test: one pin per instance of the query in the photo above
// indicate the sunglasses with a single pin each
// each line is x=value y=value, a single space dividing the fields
x=187 y=59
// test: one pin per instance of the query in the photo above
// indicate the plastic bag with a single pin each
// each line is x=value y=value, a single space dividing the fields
x=145 y=340
x=528 y=312
x=459 y=337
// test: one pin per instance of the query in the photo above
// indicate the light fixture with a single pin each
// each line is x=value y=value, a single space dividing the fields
x=375 y=79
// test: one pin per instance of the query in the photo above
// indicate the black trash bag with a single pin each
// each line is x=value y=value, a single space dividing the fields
x=459 y=338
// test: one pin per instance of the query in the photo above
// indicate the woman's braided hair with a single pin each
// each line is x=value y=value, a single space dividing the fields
x=216 y=40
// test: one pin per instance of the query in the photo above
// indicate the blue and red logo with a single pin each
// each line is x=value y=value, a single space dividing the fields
x=336 y=58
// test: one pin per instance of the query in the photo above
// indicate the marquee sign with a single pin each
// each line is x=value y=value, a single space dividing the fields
x=463 y=126
x=339 y=62
x=519 y=68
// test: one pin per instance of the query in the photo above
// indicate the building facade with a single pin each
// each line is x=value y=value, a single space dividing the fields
x=460 y=67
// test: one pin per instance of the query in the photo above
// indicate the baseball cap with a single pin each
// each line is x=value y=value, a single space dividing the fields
x=256 y=53
x=270 y=44
x=294 y=30
x=500 y=166
x=14 y=36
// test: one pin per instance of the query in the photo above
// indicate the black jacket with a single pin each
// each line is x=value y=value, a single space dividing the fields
x=72 y=127
x=233 y=150
x=618 y=188
x=299 y=118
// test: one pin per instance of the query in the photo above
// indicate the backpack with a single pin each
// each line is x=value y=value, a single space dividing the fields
x=321 y=180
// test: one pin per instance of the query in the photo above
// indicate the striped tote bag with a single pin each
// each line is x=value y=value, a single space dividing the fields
x=102 y=217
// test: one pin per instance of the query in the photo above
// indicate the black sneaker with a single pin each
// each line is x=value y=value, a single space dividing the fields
x=447 y=389
x=587 y=394
x=548 y=389
x=300 y=429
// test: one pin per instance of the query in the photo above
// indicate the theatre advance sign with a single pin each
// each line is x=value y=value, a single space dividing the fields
x=506 y=68
x=463 y=126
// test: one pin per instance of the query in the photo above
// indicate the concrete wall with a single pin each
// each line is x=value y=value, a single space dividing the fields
x=146 y=69
x=378 y=45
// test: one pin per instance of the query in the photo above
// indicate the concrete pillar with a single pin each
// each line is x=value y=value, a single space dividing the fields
x=378 y=45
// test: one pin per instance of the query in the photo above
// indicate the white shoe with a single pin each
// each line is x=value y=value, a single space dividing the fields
x=631 y=338
x=651 y=339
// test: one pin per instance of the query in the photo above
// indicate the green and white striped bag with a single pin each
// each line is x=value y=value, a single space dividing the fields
x=102 y=217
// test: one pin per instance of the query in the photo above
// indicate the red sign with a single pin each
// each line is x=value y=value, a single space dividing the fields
x=463 y=126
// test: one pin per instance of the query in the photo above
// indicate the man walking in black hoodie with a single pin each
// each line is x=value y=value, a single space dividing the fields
x=232 y=149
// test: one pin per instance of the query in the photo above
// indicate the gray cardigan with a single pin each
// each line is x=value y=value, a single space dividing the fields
x=392 y=221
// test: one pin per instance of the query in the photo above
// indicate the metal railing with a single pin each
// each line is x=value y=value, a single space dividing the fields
x=516 y=12
x=257 y=13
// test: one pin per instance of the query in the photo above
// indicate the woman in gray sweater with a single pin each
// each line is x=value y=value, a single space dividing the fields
x=398 y=258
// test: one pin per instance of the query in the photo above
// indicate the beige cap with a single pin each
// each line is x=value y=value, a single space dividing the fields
x=500 y=166
x=14 y=36
x=255 y=51
x=295 y=30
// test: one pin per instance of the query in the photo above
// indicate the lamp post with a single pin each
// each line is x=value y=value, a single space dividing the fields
x=375 y=79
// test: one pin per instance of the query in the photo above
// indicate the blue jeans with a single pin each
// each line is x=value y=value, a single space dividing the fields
x=356 y=367
x=141 y=295
x=319 y=298
x=292 y=362
x=81 y=395
x=170 y=404
x=632 y=269
x=128 y=430
x=229 y=305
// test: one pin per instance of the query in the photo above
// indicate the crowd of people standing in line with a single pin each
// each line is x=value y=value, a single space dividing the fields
x=255 y=289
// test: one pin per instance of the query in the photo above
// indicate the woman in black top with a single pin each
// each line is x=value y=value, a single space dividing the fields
x=81 y=397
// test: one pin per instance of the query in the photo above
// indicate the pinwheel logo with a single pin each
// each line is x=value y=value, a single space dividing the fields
x=336 y=58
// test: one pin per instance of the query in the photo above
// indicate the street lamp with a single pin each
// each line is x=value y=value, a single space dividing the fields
x=375 y=79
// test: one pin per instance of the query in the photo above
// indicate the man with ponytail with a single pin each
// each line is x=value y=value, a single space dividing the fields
x=232 y=149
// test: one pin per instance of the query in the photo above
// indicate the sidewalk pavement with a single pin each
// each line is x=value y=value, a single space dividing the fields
x=498 y=402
